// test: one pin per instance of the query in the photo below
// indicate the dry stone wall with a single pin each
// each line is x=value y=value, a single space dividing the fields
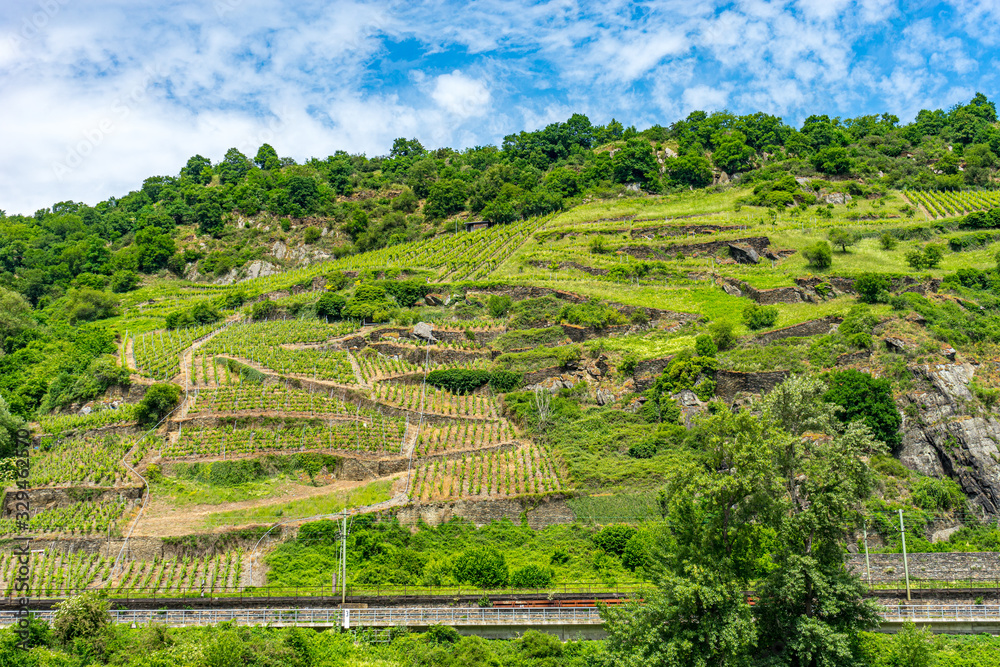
x=982 y=566
x=539 y=512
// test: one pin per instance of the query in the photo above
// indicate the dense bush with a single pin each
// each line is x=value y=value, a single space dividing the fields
x=458 y=380
x=484 y=567
x=819 y=255
x=864 y=398
x=159 y=400
x=370 y=302
x=505 y=381
x=756 y=316
x=531 y=576
x=330 y=305
x=872 y=287
x=202 y=313
x=934 y=494
x=263 y=309
x=498 y=305
x=593 y=313
x=612 y=539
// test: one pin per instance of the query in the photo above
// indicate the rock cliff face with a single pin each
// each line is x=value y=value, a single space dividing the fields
x=946 y=432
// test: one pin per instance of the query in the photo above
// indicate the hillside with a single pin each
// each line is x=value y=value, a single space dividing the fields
x=257 y=346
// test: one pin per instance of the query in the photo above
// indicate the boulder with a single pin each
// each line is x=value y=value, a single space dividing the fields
x=604 y=397
x=424 y=331
x=837 y=198
x=897 y=345
x=435 y=299
x=731 y=290
x=743 y=254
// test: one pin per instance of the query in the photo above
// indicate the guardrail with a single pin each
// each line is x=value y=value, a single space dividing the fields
x=452 y=616
x=391 y=590
x=942 y=612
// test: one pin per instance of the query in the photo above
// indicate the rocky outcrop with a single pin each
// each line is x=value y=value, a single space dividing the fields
x=944 y=436
x=811 y=328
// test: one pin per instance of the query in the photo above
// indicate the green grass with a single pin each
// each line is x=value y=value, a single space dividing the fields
x=369 y=494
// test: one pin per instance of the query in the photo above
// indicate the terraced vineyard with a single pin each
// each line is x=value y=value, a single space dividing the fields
x=54 y=572
x=157 y=353
x=95 y=460
x=274 y=397
x=378 y=435
x=437 y=401
x=80 y=518
x=466 y=434
x=59 y=423
x=528 y=469
x=944 y=204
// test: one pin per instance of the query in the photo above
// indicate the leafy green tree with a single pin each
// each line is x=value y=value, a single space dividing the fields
x=198 y=170
x=690 y=170
x=866 y=399
x=832 y=160
x=158 y=401
x=872 y=287
x=85 y=305
x=330 y=305
x=123 y=281
x=208 y=217
x=733 y=154
x=234 y=166
x=531 y=576
x=370 y=302
x=154 y=249
x=723 y=334
x=10 y=424
x=444 y=198
x=913 y=646
x=83 y=616
x=635 y=163
x=705 y=346
x=756 y=316
x=15 y=315
x=843 y=237
x=267 y=158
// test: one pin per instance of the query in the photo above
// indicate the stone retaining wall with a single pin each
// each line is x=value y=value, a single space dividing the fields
x=764 y=296
x=810 y=328
x=730 y=383
x=981 y=566
x=42 y=500
x=540 y=512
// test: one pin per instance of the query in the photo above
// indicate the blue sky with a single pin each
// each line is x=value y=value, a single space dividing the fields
x=96 y=95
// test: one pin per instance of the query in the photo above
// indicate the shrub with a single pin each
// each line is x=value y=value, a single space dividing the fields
x=705 y=346
x=484 y=567
x=638 y=551
x=505 y=381
x=263 y=309
x=757 y=317
x=559 y=557
x=159 y=400
x=843 y=237
x=458 y=380
x=887 y=241
x=312 y=235
x=370 y=302
x=537 y=645
x=628 y=364
x=927 y=257
x=934 y=494
x=531 y=576
x=498 y=305
x=612 y=539
x=723 y=333
x=84 y=616
x=330 y=305
x=592 y=313
x=872 y=287
x=123 y=281
x=336 y=281
x=819 y=255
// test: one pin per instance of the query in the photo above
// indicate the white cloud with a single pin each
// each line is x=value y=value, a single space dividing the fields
x=461 y=95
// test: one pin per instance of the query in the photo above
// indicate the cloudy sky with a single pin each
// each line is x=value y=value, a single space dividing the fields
x=96 y=95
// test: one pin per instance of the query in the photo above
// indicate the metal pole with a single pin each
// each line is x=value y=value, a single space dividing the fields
x=343 y=561
x=906 y=564
x=868 y=565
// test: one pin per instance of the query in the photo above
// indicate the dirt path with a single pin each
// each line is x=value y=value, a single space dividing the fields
x=356 y=367
x=161 y=519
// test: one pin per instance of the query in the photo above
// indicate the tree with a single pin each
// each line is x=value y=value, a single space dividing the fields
x=819 y=255
x=843 y=237
x=723 y=333
x=444 y=198
x=123 y=281
x=234 y=166
x=690 y=170
x=927 y=257
x=635 y=163
x=866 y=399
x=154 y=249
x=267 y=158
x=85 y=305
x=733 y=154
x=832 y=160
x=10 y=424
x=15 y=315
x=159 y=400
x=208 y=217
x=330 y=305
x=370 y=302
x=198 y=169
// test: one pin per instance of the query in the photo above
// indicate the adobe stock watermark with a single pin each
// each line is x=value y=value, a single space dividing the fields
x=34 y=23
x=22 y=552
x=121 y=108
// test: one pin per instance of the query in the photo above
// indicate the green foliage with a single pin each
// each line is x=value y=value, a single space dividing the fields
x=200 y=314
x=370 y=302
x=843 y=237
x=887 y=241
x=872 y=287
x=330 y=305
x=484 y=567
x=868 y=400
x=498 y=305
x=458 y=380
x=158 y=401
x=83 y=617
x=756 y=316
x=933 y=494
x=312 y=234
x=819 y=255
x=593 y=313
x=505 y=381
x=704 y=346
x=263 y=310
x=613 y=539
x=9 y=426
x=724 y=334
x=686 y=371
x=532 y=313
x=927 y=257
x=531 y=576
